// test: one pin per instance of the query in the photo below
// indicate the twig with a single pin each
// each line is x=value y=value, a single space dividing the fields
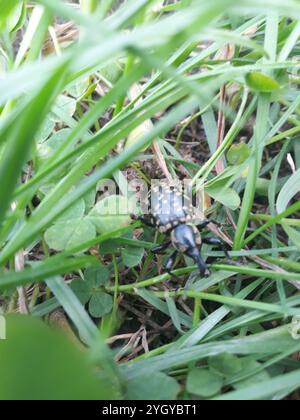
x=144 y=319
x=221 y=128
x=115 y=338
x=226 y=53
x=138 y=349
x=132 y=344
x=161 y=160
x=148 y=125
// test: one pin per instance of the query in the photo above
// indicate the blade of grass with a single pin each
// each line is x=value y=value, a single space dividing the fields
x=276 y=219
x=57 y=162
x=21 y=135
x=43 y=217
x=228 y=140
x=265 y=389
x=87 y=329
x=271 y=342
x=262 y=119
x=68 y=300
x=160 y=305
x=48 y=268
x=263 y=366
x=196 y=335
x=233 y=301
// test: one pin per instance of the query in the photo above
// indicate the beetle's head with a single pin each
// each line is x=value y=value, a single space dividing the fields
x=187 y=239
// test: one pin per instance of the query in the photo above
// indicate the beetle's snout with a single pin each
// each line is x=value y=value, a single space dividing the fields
x=194 y=253
x=183 y=238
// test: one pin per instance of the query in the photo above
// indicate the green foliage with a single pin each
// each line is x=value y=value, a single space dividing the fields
x=49 y=366
x=100 y=304
x=204 y=383
x=16 y=18
x=227 y=196
x=261 y=82
x=249 y=364
x=153 y=387
x=110 y=213
x=90 y=290
x=225 y=364
x=238 y=154
x=132 y=256
x=71 y=229
x=216 y=86
x=8 y=10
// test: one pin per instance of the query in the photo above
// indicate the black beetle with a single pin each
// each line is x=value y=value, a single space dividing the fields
x=173 y=213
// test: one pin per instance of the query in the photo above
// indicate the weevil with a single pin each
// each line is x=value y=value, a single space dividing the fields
x=174 y=215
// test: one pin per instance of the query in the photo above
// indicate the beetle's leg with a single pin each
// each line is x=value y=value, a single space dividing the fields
x=195 y=253
x=204 y=270
x=206 y=222
x=170 y=263
x=160 y=248
x=216 y=242
x=146 y=220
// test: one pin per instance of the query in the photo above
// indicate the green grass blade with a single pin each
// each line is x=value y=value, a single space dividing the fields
x=263 y=390
x=21 y=134
x=48 y=268
x=271 y=342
